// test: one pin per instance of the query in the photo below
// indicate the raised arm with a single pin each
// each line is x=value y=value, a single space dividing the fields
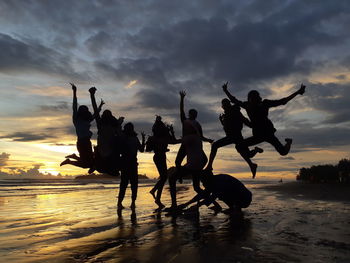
x=75 y=100
x=232 y=98
x=92 y=91
x=300 y=91
x=182 y=108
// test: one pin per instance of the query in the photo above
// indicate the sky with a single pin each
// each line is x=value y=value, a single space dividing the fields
x=140 y=54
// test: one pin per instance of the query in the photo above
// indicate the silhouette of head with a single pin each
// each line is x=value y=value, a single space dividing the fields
x=84 y=113
x=207 y=178
x=254 y=96
x=225 y=104
x=129 y=129
x=158 y=118
x=107 y=117
x=192 y=114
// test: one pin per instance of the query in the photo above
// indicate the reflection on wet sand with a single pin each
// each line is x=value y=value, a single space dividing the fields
x=85 y=226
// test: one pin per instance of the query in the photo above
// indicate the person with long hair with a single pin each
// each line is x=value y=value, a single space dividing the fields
x=107 y=153
x=158 y=143
x=82 y=119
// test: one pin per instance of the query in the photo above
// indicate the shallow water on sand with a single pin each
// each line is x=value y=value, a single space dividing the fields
x=78 y=222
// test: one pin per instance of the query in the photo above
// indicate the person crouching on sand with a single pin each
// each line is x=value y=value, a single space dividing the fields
x=225 y=188
x=129 y=172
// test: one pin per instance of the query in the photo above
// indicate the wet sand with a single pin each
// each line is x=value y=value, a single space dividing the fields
x=281 y=225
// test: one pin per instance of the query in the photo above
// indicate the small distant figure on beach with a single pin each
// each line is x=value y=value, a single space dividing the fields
x=109 y=131
x=225 y=188
x=158 y=143
x=232 y=121
x=258 y=110
x=82 y=119
x=129 y=172
x=192 y=148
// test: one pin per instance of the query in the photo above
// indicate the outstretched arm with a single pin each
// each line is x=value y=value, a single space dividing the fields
x=232 y=98
x=172 y=139
x=75 y=100
x=204 y=139
x=300 y=91
x=182 y=108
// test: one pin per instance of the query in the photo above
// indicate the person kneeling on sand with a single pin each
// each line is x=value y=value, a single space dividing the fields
x=225 y=188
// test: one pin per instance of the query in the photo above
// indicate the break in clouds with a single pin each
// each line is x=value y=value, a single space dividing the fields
x=192 y=45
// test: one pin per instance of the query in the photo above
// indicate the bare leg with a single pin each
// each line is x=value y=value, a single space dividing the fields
x=280 y=148
x=214 y=148
x=75 y=163
x=73 y=156
x=124 y=181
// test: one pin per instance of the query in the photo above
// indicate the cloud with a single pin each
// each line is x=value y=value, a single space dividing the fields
x=331 y=98
x=30 y=173
x=31 y=56
x=4 y=157
x=27 y=136
x=60 y=106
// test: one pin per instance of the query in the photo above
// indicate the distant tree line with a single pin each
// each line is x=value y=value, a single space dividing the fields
x=326 y=172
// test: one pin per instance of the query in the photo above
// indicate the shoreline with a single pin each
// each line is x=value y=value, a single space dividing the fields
x=316 y=191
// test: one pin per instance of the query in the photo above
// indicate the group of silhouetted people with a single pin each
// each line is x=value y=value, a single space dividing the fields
x=117 y=148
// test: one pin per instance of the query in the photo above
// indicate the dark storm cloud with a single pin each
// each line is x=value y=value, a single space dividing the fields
x=192 y=45
x=308 y=136
x=210 y=50
x=27 y=136
x=18 y=56
x=331 y=98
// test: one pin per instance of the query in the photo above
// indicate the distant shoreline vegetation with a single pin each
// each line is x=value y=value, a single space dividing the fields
x=326 y=173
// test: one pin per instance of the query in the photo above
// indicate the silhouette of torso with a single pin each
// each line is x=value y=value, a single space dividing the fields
x=82 y=128
x=161 y=137
x=233 y=121
x=230 y=190
x=258 y=115
x=130 y=146
x=190 y=127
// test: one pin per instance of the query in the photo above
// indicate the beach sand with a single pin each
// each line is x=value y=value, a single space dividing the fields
x=286 y=222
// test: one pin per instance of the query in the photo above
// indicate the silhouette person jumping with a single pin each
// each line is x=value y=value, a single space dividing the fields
x=107 y=153
x=158 y=143
x=82 y=119
x=258 y=110
x=192 y=148
x=129 y=172
x=232 y=121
